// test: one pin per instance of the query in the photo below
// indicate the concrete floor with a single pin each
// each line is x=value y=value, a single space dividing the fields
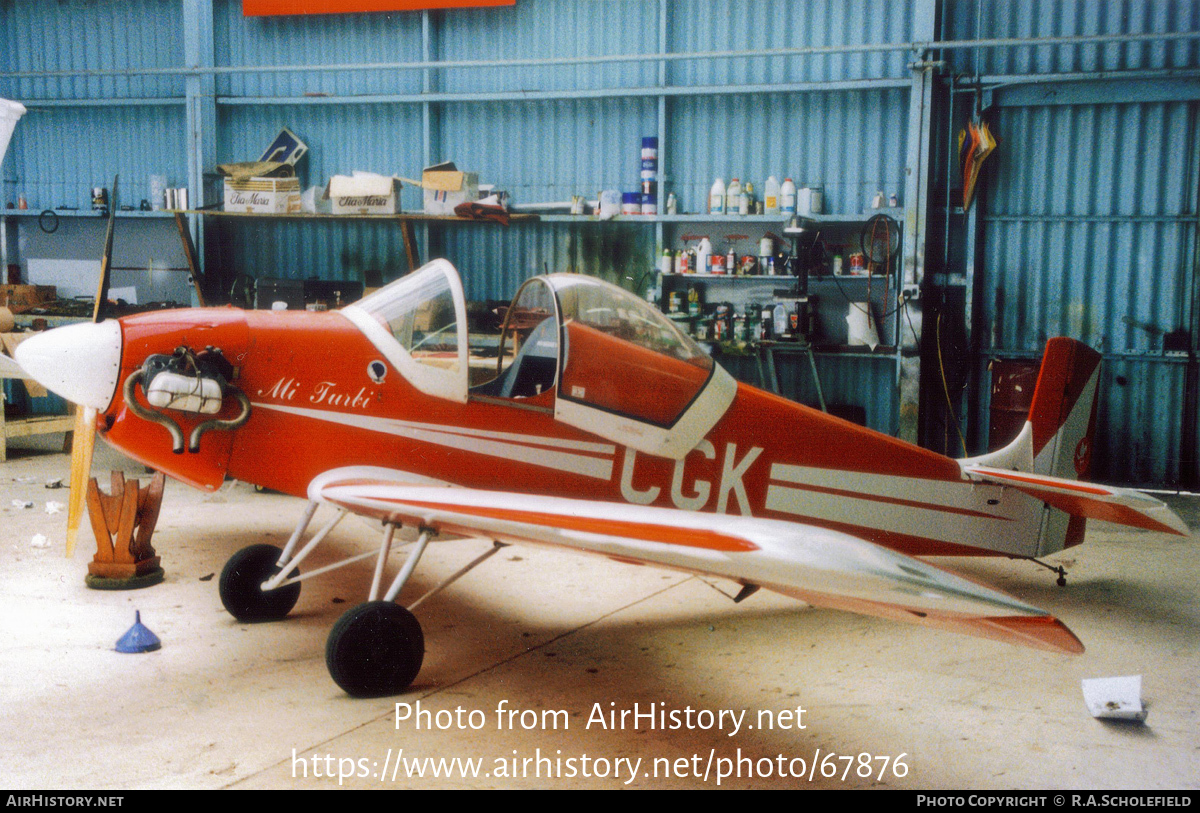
x=229 y=705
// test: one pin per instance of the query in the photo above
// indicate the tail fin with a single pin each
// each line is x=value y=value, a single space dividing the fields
x=1063 y=413
x=1057 y=437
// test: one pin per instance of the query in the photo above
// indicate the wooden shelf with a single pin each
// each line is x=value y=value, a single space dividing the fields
x=400 y=217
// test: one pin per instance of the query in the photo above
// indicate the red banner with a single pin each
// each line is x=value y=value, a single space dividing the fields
x=268 y=8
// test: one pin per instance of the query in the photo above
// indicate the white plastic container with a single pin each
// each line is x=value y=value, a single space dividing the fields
x=704 y=256
x=10 y=112
x=716 y=197
x=771 y=197
x=809 y=200
x=733 y=197
x=787 y=197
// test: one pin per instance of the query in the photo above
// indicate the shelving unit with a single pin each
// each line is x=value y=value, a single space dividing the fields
x=11 y=217
x=545 y=121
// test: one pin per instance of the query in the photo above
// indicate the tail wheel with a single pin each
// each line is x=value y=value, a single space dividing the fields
x=241 y=585
x=375 y=650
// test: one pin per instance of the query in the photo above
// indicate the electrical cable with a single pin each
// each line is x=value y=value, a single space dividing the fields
x=946 y=386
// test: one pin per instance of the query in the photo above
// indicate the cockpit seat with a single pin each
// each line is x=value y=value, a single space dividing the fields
x=533 y=369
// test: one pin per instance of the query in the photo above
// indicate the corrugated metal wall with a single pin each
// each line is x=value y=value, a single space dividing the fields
x=1087 y=215
x=1085 y=224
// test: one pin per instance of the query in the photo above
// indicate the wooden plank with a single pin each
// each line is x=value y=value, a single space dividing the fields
x=24 y=427
x=403 y=216
x=189 y=251
x=410 y=245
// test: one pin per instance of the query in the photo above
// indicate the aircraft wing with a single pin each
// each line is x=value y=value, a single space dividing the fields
x=816 y=565
x=1123 y=506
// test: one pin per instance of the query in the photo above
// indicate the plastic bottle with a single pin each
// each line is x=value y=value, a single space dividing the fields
x=779 y=321
x=787 y=195
x=733 y=196
x=716 y=197
x=747 y=199
x=704 y=256
x=771 y=196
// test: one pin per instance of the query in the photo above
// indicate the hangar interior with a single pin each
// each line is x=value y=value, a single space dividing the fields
x=1081 y=222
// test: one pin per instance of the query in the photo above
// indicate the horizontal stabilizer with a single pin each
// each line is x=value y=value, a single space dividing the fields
x=820 y=566
x=1123 y=506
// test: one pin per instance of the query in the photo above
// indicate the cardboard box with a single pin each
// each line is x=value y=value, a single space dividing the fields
x=19 y=297
x=364 y=193
x=445 y=187
x=262 y=195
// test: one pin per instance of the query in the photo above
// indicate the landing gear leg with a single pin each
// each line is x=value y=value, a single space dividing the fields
x=1059 y=571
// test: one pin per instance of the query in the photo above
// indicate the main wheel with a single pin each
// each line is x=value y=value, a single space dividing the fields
x=241 y=585
x=375 y=650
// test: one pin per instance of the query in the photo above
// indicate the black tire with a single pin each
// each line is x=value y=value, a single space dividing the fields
x=375 y=650
x=241 y=586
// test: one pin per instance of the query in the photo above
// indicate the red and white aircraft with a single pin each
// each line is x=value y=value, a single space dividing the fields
x=589 y=422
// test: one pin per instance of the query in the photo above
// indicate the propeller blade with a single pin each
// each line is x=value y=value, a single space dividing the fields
x=106 y=260
x=81 y=468
x=9 y=368
x=84 y=442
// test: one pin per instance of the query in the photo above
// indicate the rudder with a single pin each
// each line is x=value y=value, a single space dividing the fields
x=1063 y=412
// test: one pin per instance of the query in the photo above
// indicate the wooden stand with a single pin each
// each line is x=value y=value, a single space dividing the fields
x=123 y=522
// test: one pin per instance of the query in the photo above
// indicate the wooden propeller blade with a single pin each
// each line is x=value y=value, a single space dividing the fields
x=106 y=259
x=81 y=467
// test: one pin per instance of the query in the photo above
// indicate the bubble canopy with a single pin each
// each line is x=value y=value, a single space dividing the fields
x=612 y=363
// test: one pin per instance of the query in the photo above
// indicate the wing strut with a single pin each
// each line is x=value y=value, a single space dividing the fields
x=474 y=563
x=410 y=564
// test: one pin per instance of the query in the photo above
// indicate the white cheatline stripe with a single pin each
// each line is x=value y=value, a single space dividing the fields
x=538 y=440
x=527 y=449
x=940 y=510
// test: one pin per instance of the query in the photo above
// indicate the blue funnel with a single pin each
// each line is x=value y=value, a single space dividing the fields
x=138 y=638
